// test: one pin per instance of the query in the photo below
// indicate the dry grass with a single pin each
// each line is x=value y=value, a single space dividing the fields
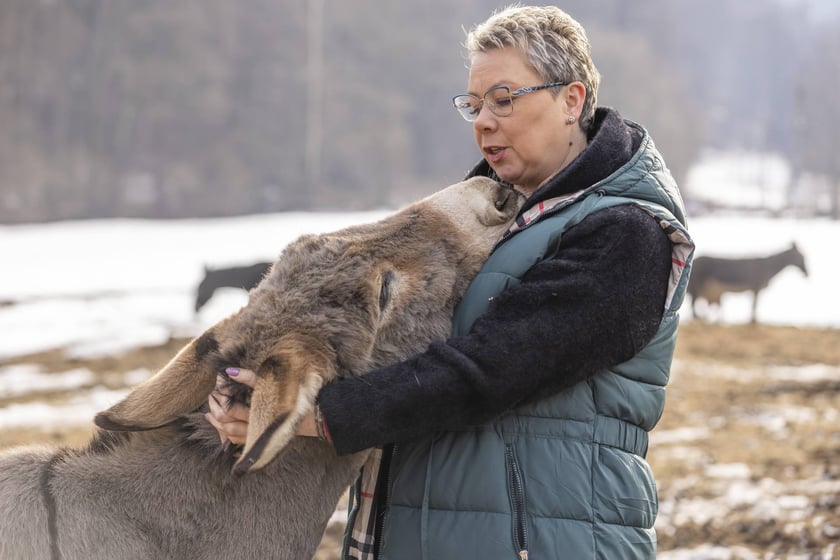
x=760 y=476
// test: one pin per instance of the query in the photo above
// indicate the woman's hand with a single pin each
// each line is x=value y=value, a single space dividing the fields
x=232 y=423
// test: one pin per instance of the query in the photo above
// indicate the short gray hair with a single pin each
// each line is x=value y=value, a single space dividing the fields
x=554 y=43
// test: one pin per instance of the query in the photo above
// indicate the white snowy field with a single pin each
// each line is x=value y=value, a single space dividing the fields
x=97 y=287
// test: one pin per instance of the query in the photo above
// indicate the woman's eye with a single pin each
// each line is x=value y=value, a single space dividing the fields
x=468 y=107
x=385 y=289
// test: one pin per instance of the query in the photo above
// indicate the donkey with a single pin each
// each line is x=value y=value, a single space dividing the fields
x=711 y=277
x=155 y=483
x=242 y=277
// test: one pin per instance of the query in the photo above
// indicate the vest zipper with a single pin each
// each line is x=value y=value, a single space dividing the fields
x=383 y=497
x=517 y=501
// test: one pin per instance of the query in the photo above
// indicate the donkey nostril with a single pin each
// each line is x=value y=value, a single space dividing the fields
x=502 y=202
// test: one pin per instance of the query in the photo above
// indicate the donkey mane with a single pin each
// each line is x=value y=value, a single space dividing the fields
x=103 y=442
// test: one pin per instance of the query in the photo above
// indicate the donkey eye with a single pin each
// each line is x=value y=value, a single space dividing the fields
x=385 y=288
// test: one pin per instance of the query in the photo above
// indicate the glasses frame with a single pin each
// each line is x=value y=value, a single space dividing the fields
x=472 y=115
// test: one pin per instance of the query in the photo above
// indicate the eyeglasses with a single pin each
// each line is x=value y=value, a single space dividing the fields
x=499 y=100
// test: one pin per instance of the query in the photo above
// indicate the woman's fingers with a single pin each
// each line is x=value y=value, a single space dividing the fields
x=232 y=423
x=242 y=375
x=230 y=420
x=218 y=425
x=223 y=411
x=234 y=432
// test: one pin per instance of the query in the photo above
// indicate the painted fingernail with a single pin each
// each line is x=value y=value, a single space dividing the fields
x=232 y=371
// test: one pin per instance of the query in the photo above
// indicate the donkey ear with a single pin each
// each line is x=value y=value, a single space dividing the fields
x=287 y=386
x=180 y=387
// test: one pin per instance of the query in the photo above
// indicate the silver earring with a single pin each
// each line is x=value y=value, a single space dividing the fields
x=571 y=119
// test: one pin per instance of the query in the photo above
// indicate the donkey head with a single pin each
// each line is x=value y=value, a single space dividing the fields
x=797 y=259
x=205 y=290
x=333 y=305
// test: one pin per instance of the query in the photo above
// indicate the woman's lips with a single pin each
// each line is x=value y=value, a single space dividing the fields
x=494 y=154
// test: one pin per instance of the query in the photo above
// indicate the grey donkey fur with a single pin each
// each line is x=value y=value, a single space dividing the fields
x=154 y=482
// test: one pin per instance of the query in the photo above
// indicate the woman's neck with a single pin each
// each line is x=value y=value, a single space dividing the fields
x=577 y=144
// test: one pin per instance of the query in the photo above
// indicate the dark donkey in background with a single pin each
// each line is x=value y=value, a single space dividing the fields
x=711 y=277
x=243 y=277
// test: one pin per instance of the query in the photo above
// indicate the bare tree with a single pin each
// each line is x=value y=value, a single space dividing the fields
x=817 y=114
x=644 y=89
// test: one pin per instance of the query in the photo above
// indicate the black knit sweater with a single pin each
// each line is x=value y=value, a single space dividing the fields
x=595 y=304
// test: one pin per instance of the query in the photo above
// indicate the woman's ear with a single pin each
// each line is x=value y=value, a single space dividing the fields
x=573 y=96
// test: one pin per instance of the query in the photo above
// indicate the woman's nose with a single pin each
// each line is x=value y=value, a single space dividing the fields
x=485 y=120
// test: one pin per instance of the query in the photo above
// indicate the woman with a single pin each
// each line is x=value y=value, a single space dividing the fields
x=524 y=434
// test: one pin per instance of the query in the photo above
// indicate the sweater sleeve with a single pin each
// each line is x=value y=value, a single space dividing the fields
x=596 y=303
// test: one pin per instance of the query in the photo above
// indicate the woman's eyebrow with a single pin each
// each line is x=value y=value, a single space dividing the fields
x=495 y=85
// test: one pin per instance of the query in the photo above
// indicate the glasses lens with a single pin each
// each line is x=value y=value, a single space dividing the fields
x=500 y=101
x=467 y=105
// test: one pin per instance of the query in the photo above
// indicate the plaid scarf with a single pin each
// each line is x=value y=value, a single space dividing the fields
x=359 y=545
x=541 y=208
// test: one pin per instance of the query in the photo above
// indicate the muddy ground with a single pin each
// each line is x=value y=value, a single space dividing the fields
x=747 y=455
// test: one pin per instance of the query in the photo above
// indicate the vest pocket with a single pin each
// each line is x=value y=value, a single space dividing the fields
x=516 y=491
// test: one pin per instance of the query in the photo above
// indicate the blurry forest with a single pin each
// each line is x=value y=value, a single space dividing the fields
x=210 y=107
